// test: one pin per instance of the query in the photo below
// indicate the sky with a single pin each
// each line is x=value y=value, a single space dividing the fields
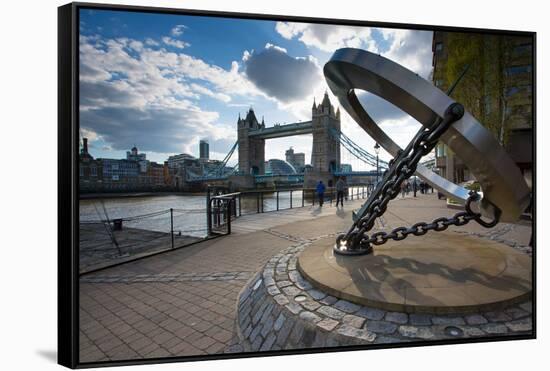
x=163 y=82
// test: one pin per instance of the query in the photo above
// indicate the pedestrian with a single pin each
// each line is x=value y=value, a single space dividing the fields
x=340 y=188
x=320 y=189
x=403 y=189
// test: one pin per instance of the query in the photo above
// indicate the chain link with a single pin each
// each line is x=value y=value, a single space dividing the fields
x=401 y=168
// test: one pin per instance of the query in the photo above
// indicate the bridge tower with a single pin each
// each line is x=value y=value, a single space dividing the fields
x=251 y=150
x=325 y=153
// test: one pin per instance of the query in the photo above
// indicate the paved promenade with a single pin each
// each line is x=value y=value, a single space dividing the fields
x=184 y=302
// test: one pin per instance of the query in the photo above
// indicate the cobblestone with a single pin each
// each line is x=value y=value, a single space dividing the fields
x=475 y=319
x=381 y=327
x=397 y=317
x=338 y=322
x=346 y=306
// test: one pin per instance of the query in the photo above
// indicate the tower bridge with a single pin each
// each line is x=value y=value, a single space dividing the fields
x=325 y=154
x=325 y=128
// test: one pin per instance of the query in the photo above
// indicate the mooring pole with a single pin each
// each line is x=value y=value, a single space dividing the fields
x=172 y=225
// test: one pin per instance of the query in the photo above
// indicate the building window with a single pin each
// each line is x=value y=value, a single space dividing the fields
x=516 y=70
x=440 y=151
x=438 y=47
x=81 y=170
x=93 y=171
x=522 y=49
x=517 y=89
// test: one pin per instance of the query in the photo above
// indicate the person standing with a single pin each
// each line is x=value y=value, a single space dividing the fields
x=340 y=188
x=320 y=189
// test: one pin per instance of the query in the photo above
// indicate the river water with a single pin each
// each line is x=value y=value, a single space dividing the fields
x=189 y=216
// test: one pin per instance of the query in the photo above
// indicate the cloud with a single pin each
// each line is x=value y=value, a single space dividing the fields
x=175 y=43
x=326 y=37
x=178 y=30
x=133 y=94
x=410 y=48
x=154 y=129
x=378 y=108
x=281 y=76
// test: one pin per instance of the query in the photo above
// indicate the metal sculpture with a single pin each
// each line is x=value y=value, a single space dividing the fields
x=505 y=193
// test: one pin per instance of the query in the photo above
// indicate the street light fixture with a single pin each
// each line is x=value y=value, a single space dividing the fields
x=377 y=151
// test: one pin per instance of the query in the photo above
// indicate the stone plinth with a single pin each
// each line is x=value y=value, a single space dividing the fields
x=438 y=273
x=280 y=309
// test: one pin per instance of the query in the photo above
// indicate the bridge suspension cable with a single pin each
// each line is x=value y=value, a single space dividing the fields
x=356 y=150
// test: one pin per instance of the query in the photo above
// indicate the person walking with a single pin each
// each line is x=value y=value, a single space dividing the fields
x=340 y=188
x=403 y=189
x=320 y=189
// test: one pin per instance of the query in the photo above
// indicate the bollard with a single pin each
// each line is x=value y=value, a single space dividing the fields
x=172 y=225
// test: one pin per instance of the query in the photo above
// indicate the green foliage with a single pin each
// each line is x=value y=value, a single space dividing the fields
x=481 y=89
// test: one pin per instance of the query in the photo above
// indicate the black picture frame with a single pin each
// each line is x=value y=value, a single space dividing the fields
x=68 y=179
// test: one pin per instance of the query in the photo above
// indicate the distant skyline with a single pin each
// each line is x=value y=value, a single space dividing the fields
x=163 y=82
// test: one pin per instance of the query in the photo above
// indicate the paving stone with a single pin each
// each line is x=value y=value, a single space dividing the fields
x=353 y=332
x=291 y=291
x=255 y=332
x=371 y=313
x=494 y=328
x=381 y=327
x=388 y=340
x=346 y=306
x=273 y=290
x=297 y=332
x=471 y=331
x=397 y=317
x=268 y=342
x=255 y=346
x=279 y=322
x=316 y=294
x=281 y=299
x=283 y=333
x=294 y=308
x=354 y=321
x=420 y=319
x=328 y=324
x=308 y=337
x=328 y=300
x=520 y=325
x=285 y=283
x=331 y=312
x=448 y=320
x=475 y=319
x=517 y=313
x=303 y=284
x=235 y=348
x=267 y=312
x=247 y=331
x=527 y=306
x=267 y=326
x=309 y=316
x=294 y=275
x=310 y=304
x=497 y=316
x=424 y=333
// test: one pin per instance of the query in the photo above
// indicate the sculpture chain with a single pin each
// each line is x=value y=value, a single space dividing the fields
x=401 y=168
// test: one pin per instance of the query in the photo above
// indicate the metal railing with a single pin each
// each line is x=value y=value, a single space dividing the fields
x=223 y=207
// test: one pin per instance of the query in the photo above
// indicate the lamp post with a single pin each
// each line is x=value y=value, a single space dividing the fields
x=377 y=151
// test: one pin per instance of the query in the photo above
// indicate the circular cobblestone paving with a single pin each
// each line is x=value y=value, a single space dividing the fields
x=279 y=309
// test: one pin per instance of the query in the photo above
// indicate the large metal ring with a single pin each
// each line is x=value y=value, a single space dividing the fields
x=501 y=181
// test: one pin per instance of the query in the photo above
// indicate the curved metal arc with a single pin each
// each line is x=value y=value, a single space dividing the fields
x=501 y=180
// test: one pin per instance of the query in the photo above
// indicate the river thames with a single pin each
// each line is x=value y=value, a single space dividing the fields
x=189 y=215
